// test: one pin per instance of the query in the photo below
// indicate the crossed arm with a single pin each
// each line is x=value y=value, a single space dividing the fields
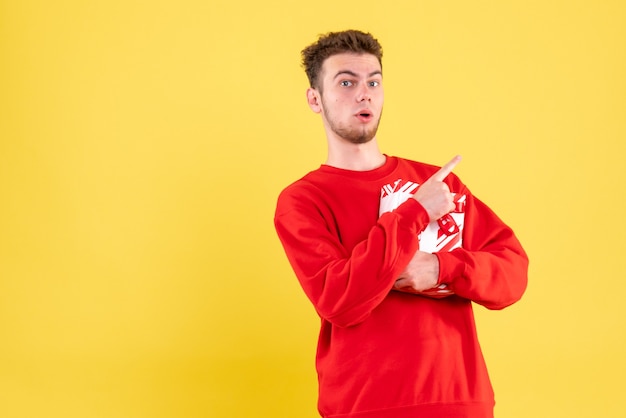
x=345 y=286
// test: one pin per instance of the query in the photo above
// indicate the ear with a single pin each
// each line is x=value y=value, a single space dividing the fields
x=314 y=99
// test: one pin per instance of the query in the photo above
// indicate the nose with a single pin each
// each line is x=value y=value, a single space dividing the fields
x=363 y=95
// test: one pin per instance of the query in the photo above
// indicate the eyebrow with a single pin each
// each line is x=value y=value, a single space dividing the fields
x=353 y=74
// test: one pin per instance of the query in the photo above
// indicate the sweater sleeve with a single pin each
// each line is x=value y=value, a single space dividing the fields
x=345 y=285
x=491 y=268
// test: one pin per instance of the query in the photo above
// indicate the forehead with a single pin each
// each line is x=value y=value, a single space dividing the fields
x=359 y=64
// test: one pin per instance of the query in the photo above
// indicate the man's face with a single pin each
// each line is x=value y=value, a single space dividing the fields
x=351 y=96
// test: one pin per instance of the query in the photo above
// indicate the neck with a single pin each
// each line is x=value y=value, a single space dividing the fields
x=355 y=157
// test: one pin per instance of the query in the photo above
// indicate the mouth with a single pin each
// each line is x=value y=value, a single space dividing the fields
x=364 y=115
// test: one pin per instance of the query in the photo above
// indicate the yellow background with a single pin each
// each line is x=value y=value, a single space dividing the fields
x=143 y=145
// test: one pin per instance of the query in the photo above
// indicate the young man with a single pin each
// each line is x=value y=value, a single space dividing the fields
x=391 y=253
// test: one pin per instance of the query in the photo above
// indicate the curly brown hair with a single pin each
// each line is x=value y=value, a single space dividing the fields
x=333 y=43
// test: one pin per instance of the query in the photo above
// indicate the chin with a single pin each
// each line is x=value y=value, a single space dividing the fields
x=363 y=138
x=360 y=140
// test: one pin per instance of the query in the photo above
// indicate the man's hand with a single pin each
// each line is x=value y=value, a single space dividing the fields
x=434 y=195
x=422 y=273
x=420 y=277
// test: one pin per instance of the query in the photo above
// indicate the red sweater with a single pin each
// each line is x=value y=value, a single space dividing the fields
x=383 y=353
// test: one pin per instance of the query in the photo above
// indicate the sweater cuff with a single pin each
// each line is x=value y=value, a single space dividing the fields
x=451 y=267
x=412 y=215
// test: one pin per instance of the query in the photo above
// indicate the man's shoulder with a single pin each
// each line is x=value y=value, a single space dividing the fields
x=307 y=180
x=304 y=186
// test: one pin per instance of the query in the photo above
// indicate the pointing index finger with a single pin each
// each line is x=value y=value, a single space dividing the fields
x=446 y=169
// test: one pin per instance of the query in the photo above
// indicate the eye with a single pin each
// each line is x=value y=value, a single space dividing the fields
x=346 y=83
x=374 y=83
